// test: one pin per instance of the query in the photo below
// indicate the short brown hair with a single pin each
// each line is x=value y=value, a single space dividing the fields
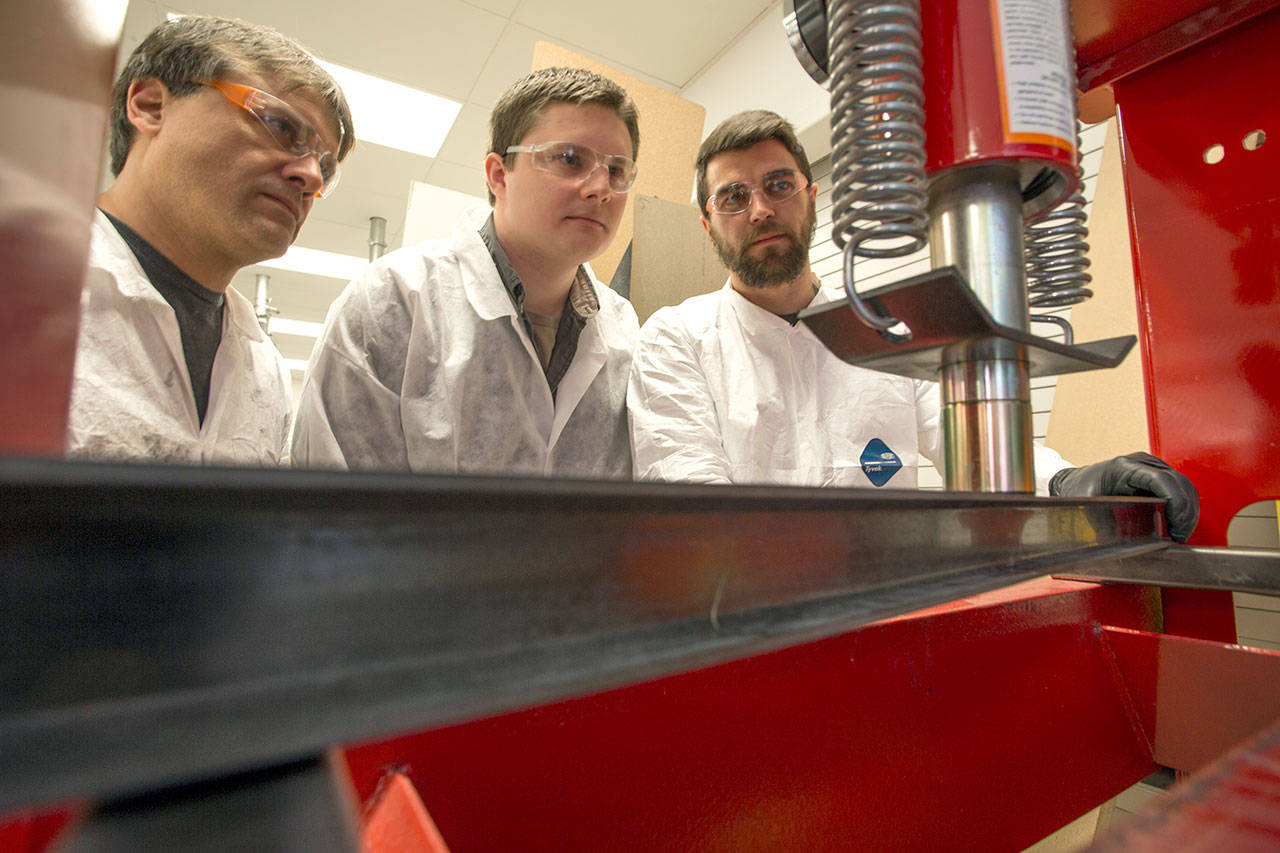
x=519 y=108
x=742 y=131
x=199 y=47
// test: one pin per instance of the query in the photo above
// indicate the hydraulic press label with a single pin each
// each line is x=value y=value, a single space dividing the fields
x=1034 y=62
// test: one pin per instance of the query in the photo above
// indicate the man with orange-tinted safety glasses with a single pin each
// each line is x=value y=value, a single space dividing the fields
x=223 y=135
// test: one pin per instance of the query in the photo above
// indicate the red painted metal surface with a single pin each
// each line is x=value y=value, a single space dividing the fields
x=33 y=832
x=1232 y=805
x=1206 y=614
x=1118 y=37
x=1207 y=262
x=963 y=123
x=985 y=724
x=1194 y=699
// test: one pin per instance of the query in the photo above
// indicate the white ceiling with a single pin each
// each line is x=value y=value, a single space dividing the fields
x=470 y=51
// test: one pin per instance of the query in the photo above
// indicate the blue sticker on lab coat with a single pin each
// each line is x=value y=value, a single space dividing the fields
x=879 y=463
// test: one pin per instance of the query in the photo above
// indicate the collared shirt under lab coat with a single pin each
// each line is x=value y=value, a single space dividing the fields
x=131 y=395
x=424 y=365
x=725 y=391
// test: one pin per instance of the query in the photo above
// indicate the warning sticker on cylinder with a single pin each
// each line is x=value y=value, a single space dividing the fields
x=1034 y=63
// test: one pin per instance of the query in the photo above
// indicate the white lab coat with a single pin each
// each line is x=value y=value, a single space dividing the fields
x=424 y=365
x=723 y=391
x=131 y=394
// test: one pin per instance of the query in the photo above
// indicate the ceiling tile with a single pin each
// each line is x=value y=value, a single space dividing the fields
x=346 y=236
x=439 y=46
x=380 y=169
x=463 y=179
x=468 y=141
x=500 y=7
x=283 y=15
x=513 y=59
x=670 y=40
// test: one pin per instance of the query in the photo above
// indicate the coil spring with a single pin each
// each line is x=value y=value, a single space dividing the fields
x=877 y=114
x=1057 y=246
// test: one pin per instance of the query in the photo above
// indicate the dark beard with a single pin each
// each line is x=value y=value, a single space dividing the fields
x=778 y=266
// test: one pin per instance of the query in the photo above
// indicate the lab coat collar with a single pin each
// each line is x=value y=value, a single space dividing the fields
x=129 y=276
x=485 y=291
x=760 y=320
x=134 y=284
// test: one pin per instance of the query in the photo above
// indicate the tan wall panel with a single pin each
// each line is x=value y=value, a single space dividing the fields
x=1103 y=413
x=670 y=131
x=672 y=257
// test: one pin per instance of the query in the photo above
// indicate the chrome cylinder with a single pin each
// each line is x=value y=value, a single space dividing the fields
x=975 y=224
x=377 y=237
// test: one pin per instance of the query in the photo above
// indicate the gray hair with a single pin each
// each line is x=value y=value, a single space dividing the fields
x=196 y=47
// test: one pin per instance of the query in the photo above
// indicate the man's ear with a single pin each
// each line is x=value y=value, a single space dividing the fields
x=145 y=104
x=495 y=175
x=706 y=226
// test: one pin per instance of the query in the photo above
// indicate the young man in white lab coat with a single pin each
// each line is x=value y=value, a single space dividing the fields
x=727 y=387
x=495 y=351
x=222 y=136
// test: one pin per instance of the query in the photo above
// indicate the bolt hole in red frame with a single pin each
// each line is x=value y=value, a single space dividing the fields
x=1252 y=141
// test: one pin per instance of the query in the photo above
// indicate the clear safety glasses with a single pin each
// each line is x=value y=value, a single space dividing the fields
x=291 y=131
x=578 y=162
x=777 y=187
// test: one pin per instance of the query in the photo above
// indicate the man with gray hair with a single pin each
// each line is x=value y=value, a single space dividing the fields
x=223 y=134
x=496 y=351
x=727 y=387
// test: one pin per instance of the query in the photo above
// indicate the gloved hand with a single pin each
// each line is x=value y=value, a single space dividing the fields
x=1135 y=474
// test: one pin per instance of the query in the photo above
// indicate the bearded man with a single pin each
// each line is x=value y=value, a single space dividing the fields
x=727 y=388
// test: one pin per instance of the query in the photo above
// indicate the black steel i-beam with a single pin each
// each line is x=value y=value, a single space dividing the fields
x=165 y=625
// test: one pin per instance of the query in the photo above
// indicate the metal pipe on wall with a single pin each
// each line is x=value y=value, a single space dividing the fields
x=377 y=237
x=262 y=302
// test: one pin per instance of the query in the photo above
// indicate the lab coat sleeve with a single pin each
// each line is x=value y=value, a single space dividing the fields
x=675 y=433
x=929 y=421
x=1048 y=462
x=349 y=413
x=928 y=424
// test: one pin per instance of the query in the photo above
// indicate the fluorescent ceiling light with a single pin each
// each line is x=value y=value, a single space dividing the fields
x=302 y=328
x=297 y=365
x=393 y=115
x=318 y=262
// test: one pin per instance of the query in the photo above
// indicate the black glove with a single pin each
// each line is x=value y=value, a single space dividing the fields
x=1135 y=474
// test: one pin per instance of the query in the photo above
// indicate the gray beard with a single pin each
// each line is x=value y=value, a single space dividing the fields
x=776 y=267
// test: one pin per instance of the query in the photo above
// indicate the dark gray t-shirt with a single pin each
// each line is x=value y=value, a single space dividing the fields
x=198 y=309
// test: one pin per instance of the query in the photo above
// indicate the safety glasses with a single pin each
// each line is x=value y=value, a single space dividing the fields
x=290 y=130
x=578 y=163
x=776 y=187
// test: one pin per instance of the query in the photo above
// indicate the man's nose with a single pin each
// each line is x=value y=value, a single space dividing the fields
x=596 y=183
x=761 y=209
x=305 y=171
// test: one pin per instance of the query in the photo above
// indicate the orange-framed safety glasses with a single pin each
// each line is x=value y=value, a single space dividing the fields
x=290 y=130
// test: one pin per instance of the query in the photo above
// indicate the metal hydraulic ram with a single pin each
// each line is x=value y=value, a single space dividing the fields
x=953 y=124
